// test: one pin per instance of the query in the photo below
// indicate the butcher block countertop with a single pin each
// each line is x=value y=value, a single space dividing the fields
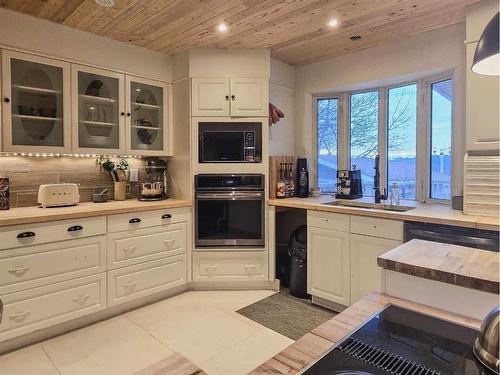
x=452 y=264
x=423 y=212
x=29 y=215
x=312 y=345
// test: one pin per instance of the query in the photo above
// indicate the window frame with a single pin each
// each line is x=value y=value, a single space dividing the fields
x=423 y=131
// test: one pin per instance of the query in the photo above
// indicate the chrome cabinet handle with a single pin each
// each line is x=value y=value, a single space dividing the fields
x=19 y=271
x=250 y=266
x=130 y=285
x=81 y=299
x=26 y=234
x=19 y=316
x=134 y=220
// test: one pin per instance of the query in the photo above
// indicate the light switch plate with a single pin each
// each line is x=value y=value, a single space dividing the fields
x=134 y=175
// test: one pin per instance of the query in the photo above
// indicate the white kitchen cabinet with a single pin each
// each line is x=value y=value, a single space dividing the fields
x=230 y=266
x=148 y=119
x=33 y=309
x=210 y=97
x=36 y=103
x=236 y=97
x=328 y=265
x=128 y=283
x=98 y=108
x=366 y=275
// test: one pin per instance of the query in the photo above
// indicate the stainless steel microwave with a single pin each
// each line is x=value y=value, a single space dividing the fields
x=235 y=142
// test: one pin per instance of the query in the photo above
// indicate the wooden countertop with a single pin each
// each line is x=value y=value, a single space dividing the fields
x=314 y=344
x=459 y=265
x=29 y=215
x=423 y=212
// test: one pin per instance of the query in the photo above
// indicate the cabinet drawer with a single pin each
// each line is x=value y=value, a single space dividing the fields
x=230 y=266
x=146 y=244
x=35 y=266
x=36 y=234
x=328 y=220
x=133 y=221
x=125 y=284
x=38 y=308
x=383 y=228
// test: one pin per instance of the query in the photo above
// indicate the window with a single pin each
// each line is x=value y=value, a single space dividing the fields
x=402 y=139
x=327 y=122
x=440 y=140
x=364 y=136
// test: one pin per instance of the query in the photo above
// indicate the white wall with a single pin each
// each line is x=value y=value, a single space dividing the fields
x=402 y=60
x=282 y=95
x=33 y=34
x=483 y=96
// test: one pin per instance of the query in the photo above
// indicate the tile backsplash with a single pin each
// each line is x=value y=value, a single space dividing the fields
x=27 y=173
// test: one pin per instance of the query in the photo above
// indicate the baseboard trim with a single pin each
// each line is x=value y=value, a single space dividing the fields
x=328 y=304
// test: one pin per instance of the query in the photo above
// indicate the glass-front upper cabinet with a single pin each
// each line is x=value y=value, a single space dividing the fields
x=147 y=117
x=98 y=111
x=36 y=104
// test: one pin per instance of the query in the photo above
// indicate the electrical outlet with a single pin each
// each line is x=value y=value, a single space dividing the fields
x=134 y=175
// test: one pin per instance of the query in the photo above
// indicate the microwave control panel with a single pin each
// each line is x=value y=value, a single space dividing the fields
x=250 y=146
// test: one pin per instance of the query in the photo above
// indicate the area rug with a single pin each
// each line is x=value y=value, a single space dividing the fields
x=285 y=314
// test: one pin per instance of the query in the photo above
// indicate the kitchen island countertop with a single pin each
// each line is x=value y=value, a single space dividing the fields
x=30 y=215
x=423 y=212
x=312 y=345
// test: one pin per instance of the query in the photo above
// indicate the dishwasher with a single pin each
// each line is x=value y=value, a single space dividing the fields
x=470 y=237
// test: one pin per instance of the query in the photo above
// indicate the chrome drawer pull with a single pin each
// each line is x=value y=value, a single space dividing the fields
x=81 y=299
x=26 y=234
x=20 y=316
x=19 y=271
x=129 y=249
x=130 y=285
x=250 y=266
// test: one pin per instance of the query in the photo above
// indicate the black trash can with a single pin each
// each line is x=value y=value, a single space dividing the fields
x=297 y=249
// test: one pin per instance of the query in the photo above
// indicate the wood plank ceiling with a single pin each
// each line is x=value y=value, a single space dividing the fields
x=295 y=30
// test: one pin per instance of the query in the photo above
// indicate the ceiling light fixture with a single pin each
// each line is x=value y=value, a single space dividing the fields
x=222 y=27
x=105 y=3
x=333 y=23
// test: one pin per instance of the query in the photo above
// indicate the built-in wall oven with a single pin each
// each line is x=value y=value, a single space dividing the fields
x=230 y=210
x=234 y=142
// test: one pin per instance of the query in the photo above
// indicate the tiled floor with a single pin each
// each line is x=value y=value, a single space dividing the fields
x=202 y=326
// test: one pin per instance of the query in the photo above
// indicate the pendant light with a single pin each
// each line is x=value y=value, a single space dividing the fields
x=487 y=58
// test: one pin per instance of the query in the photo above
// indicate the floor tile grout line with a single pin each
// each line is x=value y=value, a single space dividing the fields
x=149 y=334
x=48 y=356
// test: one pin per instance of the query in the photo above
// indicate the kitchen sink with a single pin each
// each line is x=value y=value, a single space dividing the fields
x=373 y=206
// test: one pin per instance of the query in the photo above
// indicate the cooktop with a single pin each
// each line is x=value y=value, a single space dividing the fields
x=402 y=342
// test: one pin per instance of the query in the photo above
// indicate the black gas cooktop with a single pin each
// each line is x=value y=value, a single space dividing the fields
x=403 y=342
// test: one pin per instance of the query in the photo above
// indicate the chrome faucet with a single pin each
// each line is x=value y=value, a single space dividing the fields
x=376 y=182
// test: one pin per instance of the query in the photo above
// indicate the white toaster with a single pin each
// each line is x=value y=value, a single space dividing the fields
x=55 y=195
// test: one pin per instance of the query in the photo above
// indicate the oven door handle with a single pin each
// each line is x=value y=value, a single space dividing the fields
x=230 y=196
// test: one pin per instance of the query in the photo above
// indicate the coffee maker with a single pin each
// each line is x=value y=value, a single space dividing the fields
x=349 y=184
x=155 y=189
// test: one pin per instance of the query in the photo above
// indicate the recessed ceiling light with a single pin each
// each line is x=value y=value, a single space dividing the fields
x=105 y=3
x=333 y=22
x=222 y=27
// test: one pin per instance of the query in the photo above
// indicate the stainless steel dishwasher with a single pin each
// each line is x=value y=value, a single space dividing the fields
x=470 y=237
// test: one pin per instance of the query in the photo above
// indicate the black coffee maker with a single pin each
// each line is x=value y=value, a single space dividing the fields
x=302 y=176
x=349 y=184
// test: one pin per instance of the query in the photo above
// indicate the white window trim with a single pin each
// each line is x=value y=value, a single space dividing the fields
x=423 y=119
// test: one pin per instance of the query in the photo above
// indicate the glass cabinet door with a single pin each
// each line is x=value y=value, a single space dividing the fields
x=100 y=116
x=146 y=113
x=36 y=96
